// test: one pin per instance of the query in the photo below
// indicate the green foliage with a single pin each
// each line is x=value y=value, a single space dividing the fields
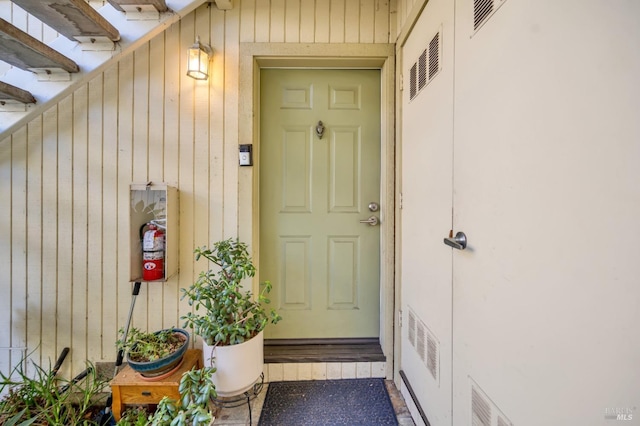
x=134 y=416
x=225 y=314
x=13 y=421
x=196 y=390
x=143 y=346
x=41 y=398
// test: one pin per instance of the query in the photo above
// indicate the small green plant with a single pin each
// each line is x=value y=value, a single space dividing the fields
x=13 y=421
x=196 y=390
x=42 y=399
x=143 y=346
x=134 y=416
x=225 y=313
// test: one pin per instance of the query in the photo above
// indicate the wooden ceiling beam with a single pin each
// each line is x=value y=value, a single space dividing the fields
x=19 y=49
x=132 y=5
x=13 y=93
x=74 y=19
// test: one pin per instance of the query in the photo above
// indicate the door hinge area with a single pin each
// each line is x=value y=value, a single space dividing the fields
x=401 y=82
x=400 y=318
x=400 y=200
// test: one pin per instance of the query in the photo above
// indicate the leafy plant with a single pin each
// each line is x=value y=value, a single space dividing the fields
x=42 y=399
x=225 y=313
x=144 y=346
x=134 y=416
x=196 y=390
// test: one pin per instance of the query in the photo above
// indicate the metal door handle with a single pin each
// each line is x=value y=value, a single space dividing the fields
x=458 y=242
x=372 y=221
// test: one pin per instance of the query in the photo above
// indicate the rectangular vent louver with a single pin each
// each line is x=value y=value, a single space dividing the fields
x=421 y=346
x=433 y=356
x=434 y=56
x=480 y=409
x=413 y=88
x=425 y=68
x=412 y=328
x=422 y=70
x=484 y=411
x=503 y=422
x=483 y=10
x=426 y=344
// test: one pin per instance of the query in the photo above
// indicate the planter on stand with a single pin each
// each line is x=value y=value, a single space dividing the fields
x=238 y=367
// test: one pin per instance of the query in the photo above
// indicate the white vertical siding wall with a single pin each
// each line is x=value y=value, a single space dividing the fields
x=64 y=178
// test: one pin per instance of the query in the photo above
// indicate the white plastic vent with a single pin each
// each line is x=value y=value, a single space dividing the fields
x=484 y=411
x=483 y=10
x=426 y=67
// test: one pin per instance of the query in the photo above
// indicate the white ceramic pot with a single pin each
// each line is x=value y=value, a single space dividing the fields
x=238 y=367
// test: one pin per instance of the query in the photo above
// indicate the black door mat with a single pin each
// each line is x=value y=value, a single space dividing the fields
x=328 y=402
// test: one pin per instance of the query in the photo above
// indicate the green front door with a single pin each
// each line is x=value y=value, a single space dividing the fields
x=315 y=188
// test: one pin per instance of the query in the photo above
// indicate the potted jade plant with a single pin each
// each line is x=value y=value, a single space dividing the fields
x=229 y=319
x=155 y=354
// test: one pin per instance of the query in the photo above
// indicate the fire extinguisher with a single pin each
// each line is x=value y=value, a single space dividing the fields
x=152 y=252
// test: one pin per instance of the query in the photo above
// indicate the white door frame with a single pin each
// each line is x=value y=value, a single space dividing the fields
x=253 y=57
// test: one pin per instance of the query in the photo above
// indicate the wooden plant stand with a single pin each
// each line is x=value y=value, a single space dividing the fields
x=128 y=387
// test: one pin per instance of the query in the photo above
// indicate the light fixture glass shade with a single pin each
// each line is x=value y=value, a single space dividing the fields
x=198 y=60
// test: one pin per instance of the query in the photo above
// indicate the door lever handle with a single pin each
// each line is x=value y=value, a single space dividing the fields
x=458 y=242
x=372 y=221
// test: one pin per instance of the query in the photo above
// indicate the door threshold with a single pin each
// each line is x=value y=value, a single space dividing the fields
x=278 y=351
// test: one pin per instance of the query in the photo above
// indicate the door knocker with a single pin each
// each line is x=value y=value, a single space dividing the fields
x=320 y=130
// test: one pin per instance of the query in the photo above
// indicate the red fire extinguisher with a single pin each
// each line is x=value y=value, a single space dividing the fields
x=152 y=252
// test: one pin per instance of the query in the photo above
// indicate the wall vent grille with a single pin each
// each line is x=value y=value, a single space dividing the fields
x=483 y=10
x=422 y=70
x=484 y=411
x=426 y=344
x=413 y=88
x=434 y=56
x=503 y=422
x=426 y=67
x=421 y=346
x=412 y=328
x=433 y=355
x=480 y=409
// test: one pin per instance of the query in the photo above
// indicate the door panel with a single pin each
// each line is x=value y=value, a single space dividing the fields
x=314 y=191
x=427 y=124
x=546 y=188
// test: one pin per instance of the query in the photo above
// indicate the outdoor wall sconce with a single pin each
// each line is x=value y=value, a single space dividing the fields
x=198 y=60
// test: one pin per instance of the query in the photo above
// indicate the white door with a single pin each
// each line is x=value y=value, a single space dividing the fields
x=546 y=177
x=317 y=182
x=536 y=319
x=427 y=123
